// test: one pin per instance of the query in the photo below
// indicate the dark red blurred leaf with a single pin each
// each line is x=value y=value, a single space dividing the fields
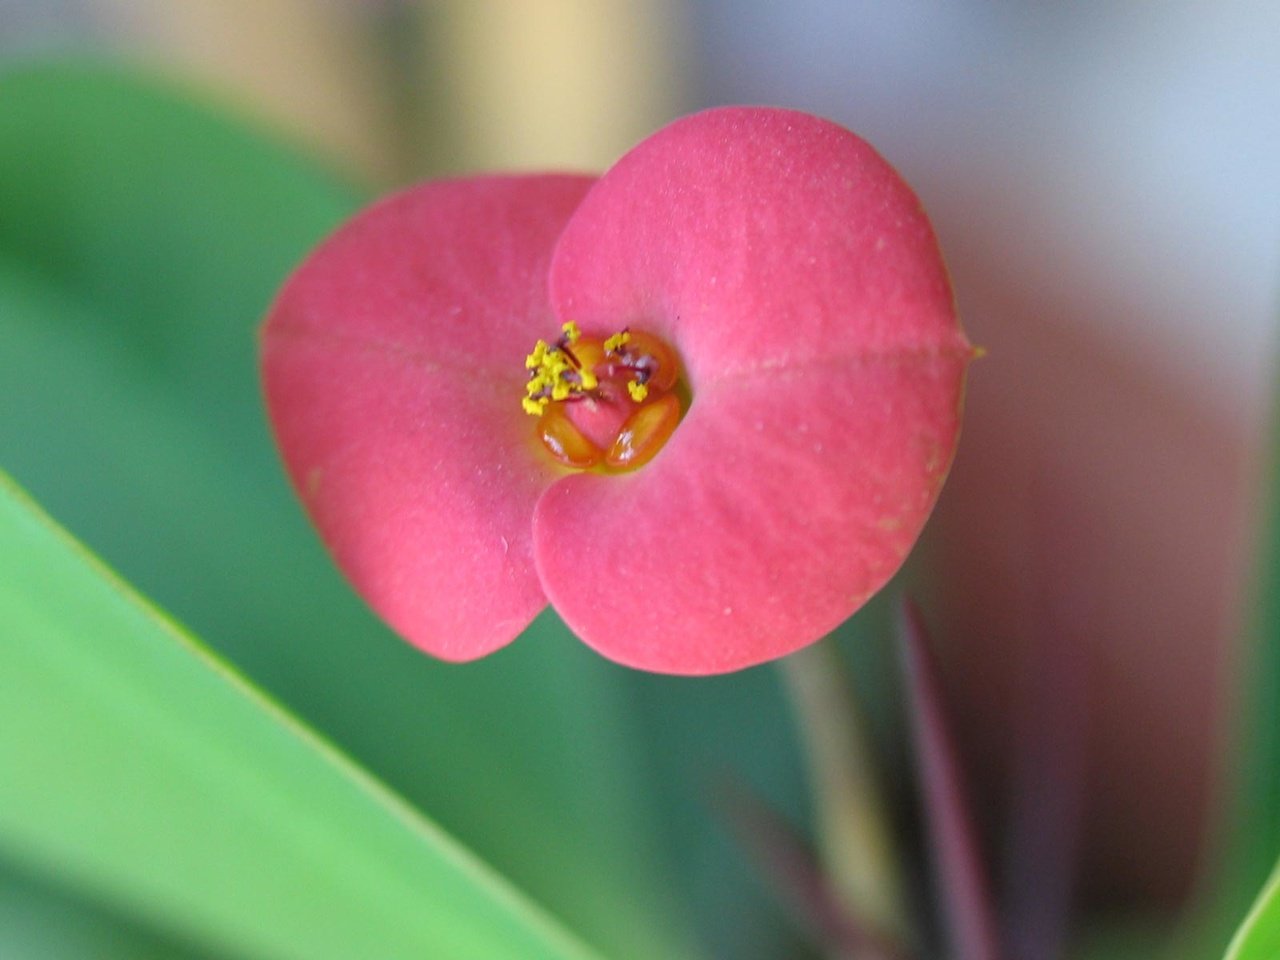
x=959 y=874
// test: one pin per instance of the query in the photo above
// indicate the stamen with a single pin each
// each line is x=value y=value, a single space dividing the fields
x=627 y=379
x=534 y=360
x=556 y=372
x=615 y=343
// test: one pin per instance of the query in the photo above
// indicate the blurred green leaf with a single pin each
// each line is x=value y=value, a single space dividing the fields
x=1258 y=837
x=40 y=922
x=698 y=734
x=151 y=772
x=142 y=239
x=1259 y=936
x=1197 y=934
x=1254 y=837
x=739 y=731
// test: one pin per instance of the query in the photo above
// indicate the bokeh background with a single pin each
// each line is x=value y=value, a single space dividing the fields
x=1105 y=181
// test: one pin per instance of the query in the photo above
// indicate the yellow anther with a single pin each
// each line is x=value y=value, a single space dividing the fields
x=534 y=360
x=580 y=378
x=554 y=374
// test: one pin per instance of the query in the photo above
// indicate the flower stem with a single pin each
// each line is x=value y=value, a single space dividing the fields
x=855 y=837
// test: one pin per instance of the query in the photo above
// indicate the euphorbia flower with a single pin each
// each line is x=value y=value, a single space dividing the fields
x=784 y=300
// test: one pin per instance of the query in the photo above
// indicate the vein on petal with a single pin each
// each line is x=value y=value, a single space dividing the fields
x=775 y=366
x=461 y=362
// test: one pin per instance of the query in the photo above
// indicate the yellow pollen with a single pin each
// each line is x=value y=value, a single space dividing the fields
x=553 y=376
x=534 y=360
x=583 y=388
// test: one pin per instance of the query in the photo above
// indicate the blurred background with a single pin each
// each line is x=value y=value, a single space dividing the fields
x=1104 y=181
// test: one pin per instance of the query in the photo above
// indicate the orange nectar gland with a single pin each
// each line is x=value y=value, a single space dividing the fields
x=629 y=378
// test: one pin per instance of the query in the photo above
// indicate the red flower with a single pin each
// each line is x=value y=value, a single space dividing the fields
x=789 y=308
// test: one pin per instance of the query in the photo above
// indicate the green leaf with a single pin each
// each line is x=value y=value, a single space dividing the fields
x=142 y=239
x=1259 y=936
x=41 y=922
x=741 y=728
x=1257 y=838
x=151 y=772
x=1254 y=826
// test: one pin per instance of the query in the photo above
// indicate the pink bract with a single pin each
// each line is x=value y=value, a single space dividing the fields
x=799 y=281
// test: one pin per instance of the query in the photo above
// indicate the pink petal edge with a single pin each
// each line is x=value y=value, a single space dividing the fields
x=771 y=515
x=393 y=369
x=757 y=238
x=801 y=283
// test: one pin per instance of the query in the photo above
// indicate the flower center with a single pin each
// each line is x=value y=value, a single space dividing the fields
x=606 y=404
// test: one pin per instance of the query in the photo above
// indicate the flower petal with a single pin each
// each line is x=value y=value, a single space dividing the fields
x=393 y=370
x=755 y=237
x=780 y=504
x=802 y=285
